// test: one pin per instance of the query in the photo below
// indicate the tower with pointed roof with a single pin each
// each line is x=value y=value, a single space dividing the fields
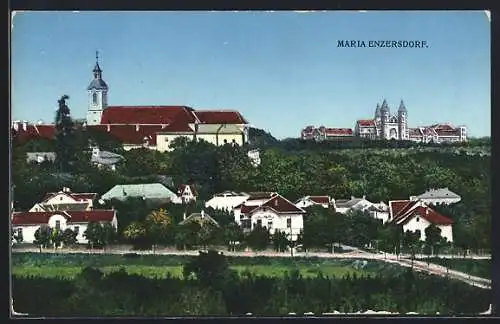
x=403 y=121
x=97 y=95
x=384 y=111
x=378 y=119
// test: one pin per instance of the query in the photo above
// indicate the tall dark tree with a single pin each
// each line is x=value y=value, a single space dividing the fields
x=65 y=136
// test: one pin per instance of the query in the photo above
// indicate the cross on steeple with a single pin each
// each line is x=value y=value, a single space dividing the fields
x=97 y=56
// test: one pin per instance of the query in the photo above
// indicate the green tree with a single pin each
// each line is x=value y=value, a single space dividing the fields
x=280 y=241
x=65 y=150
x=93 y=234
x=432 y=237
x=232 y=233
x=69 y=237
x=210 y=268
x=43 y=237
x=157 y=225
x=135 y=232
x=57 y=237
x=258 y=239
x=411 y=241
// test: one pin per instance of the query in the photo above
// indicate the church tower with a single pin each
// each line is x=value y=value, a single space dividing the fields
x=98 y=95
x=384 y=110
x=403 y=121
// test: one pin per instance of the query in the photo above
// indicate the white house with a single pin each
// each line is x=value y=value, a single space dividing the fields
x=227 y=200
x=272 y=211
x=254 y=156
x=185 y=194
x=25 y=224
x=438 y=196
x=417 y=216
x=65 y=200
x=105 y=159
x=307 y=201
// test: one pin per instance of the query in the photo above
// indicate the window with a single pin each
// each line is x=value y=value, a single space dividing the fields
x=77 y=229
x=259 y=222
x=61 y=198
x=58 y=224
x=166 y=139
x=20 y=232
x=94 y=98
x=418 y=219
x=289 y=222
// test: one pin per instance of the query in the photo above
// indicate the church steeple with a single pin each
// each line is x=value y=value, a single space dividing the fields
x=402 y=107
x=98 y=83
x=98 y=95
x=97 y=69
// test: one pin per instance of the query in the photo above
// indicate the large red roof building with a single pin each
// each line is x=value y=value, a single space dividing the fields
x=152 y=126
x=387 y=126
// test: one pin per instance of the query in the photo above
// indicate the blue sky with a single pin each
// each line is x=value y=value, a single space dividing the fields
x=281 y=70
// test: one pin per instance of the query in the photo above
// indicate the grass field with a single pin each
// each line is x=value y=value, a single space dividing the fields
x=69 y=265
x=480 y=268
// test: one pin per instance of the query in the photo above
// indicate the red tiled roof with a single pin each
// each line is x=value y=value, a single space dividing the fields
x=320 y=199
x=277 y=202
x=405 y=210
x=131 y=134
x=443 y=127
x=220 y=117
x=338 y=131
x=177 y=127
x=35 y=218
x=146 y=114
x=33 y=132
x=443 y=132
x=366 y=122
x=431 y=215
x=429 y=131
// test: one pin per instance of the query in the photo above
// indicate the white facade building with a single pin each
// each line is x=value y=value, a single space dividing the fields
x=272 y=211
x=227 y=200
x=441 y=196
x=65 y=200
x=25 y=224
x=307 y=201
x=417 y=216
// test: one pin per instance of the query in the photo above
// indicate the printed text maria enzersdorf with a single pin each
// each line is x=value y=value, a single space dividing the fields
x=382 y=43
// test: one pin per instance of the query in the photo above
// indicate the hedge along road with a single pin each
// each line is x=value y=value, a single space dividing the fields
x=404 y=261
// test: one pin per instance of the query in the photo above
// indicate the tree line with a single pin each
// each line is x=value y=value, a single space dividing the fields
x=209 y=287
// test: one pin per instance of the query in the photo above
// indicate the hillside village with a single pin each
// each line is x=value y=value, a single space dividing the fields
x=65 y=210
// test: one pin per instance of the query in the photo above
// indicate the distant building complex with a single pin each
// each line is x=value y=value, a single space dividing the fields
x=387 y=126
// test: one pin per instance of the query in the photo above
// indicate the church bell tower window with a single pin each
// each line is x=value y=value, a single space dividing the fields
x=94 y=98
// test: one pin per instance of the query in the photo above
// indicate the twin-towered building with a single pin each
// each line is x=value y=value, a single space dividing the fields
x=387 y=126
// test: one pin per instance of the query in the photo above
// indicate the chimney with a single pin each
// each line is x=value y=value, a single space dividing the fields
x=276 y=202
x=364 y=197
x=137 y=127
x=427 y=211
x=25 y=125
x=202 y=214
x=184 y=216
x=109 y=127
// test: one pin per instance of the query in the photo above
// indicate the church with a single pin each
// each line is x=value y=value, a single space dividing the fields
x=154 y=127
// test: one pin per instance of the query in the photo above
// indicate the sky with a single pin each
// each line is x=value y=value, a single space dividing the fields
x=281 y=70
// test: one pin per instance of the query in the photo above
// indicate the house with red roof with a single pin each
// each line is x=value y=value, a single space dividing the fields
x=61 y=210
x=307 y=201
x=272 y=211
x=325 y=133
x=154 y=127
x=416 y=216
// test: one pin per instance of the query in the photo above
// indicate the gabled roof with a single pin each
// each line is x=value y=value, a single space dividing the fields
x=403 y=211
x=39 y=218
x=348 y=203
x=74 y=196
x=316 y=199
x=130 y=134
x=146 y=190
x=438 y=193
x=153 y=115
x=200 y=218
x=33 y=132
x=366 y=122
x=219 y=117
x=182 y=187
x=338 y=132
